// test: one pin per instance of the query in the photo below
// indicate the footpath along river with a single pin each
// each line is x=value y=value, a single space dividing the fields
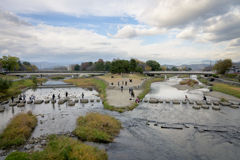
x=220 y=140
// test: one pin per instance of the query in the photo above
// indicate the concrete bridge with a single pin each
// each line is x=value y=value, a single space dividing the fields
x=54 y=72
x=179 y=72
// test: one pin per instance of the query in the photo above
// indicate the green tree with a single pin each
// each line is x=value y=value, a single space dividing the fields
x=5 y=84
x=222 y=66
x=34 y=79
x=26 y=63
x=76 y=67
x=90 y=63
x=132 y=65
x=174 y=69
x=107 y=66
x=139 y=69
x=99 y=66
x=119 y=66
x=9 y=62
x=154 y=65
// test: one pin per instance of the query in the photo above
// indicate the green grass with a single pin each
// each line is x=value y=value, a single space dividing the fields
x=18 y=130
x=97 y=127
x=57 y=77
x=189 y=82
x=223 y=100
x=228 y=89
x=8 y=77
x=62 y=148
x=204 y=81
x=230 y=79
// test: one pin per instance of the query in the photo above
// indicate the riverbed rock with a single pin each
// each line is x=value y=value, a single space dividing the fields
x=47 y=101
x=76 y=100
x=91 y=100
x=53 y=101
x=2 y=109
x=200 y=103
x=145 y=100
x=83 y=100
x=12 y=104
x=234 y=106
x=29 y=102
x=205 y=106
x=216 y=103
x=38 y=102
x=21 y=104
x=98 y=100
x=153 y=100
x=196 y=107
x=4 y=102
x=225 y=103
x=216 y=108
x=176 y=102
x=71 y=103
x=184 y=102
x=235 y=103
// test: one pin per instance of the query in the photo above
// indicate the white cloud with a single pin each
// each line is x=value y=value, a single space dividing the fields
x=130 y=32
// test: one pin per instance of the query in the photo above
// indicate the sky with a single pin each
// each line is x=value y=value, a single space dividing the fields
x=168 y=31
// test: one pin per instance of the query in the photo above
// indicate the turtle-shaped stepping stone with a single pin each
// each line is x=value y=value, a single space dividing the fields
x=216 y=107
x=196 y=107
x=29 y=102
x=208 y=103
x=200 y=103
x=23 y=101
x=47 y=101
x=53 y=101
x=184 y=102
x=160 y=101
x=167 y=101
x=153 y=100
x=98 y=100
x=76 y=100
x=4 y=102
x=71 y=103
x=176 y=102
x=234 y=106
x=225 y=103
x=12 y=104
x=205 y=106
x=91 y=100
x=83 y=100
x=191 y=102
x=145 y=100
x=216 y=103
x=38 y=102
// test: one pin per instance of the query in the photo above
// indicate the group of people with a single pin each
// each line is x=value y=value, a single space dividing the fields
x=53 y=96
x=131 y=92
x=32 y=97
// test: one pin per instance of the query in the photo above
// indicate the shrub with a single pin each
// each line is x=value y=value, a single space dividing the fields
x=5 y=84
x=231 y=75
x=21 y=81
x=223 y=100
x=34 y=79
x=97 y=127
x=18 y=130
x=214 y=75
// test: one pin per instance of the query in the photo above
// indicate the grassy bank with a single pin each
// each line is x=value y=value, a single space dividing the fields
x=97 y=127
x=18 y=130
x=127 y=75
x=8 y=77
x=56 y=77
x=62 y=148
x=183 y=76
x=189 y=82
x=227 y=89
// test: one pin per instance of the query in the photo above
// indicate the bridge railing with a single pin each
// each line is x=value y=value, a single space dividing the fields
x=54 y=71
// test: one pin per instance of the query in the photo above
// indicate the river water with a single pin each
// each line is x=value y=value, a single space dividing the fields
x=138 y=140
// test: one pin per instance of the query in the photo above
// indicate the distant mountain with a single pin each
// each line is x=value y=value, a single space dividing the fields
x=51 y=65
x=195 y=66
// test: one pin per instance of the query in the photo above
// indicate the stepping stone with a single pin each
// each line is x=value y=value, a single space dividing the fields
x=4 y=102
x=234 y=106
x=38 y=102
x=175 y=102
x=61 y=101
x=196 y=107
x=235 y=103
x=153 y=100
x=21 y=104
x=76 y=100
x=23 y=101
x=91 y=100
x=83 y=100
x=71 y=103
x=191 y=102
x=145 y=100
x=208 y=103
x=205 y=106
x=47 y=101
x=12 y=104
x=140 y=100
x=29 y=102
x=16 y=101
x=216 y=103
x=200 y=103
x=53 y=101
x=160 y=101
x=184 y=102
x=167 y=101
x=98 y=100
x=2 y=109
x=216 y=108
x=225 y=103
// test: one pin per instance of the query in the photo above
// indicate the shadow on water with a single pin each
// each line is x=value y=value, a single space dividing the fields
x=188 y=133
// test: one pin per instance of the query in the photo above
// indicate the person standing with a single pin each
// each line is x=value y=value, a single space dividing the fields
x=132 y=94
x=53 y=96
x=118 y=83
x=121 y=88
x=59 y=96
x=82 y=95
x=24 y=96
x=12 y=99
x=204 y=98
x=66 y=94
x=186 y=98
